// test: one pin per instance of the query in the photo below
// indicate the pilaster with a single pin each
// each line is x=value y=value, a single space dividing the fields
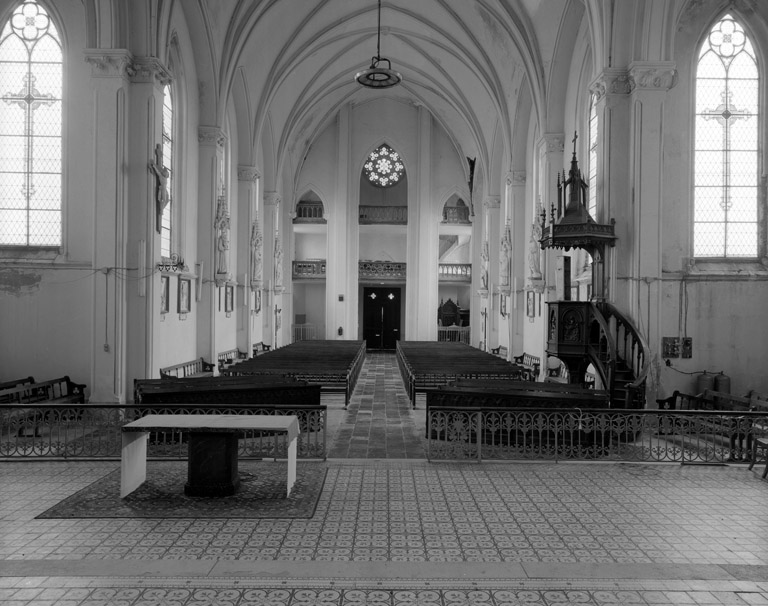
x=110 y=83
x=251 y=255
x=211 y=189
x=649 y=84
x=271 y=301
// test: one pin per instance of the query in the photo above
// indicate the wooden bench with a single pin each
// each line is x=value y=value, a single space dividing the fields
x=260 y=348
x=54 y=391
x=530 y=362
x=229 y=357
x=13 y=385
x=212 y=463
x=193 y=368
x=500 y=351
x=739 y=430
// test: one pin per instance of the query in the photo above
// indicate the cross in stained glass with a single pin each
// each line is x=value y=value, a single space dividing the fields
x=725 y=114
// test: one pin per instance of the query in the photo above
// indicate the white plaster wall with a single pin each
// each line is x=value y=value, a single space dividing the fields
x=46 y=303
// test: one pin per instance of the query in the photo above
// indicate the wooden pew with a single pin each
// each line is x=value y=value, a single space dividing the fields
x=13 y=385
x=193 y=368
x=530 y=362
x=428 y=364
x=334 y=365
x=54 y=391
x=229 y=357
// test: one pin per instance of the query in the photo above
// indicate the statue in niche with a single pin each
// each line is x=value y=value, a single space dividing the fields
x=256 y=252
x=161 y=186
x=484 y=255
x=278 y=262
x=505 y=257
x=534 y=252
x=222 y=236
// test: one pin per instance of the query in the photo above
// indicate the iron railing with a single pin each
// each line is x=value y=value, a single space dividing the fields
x=705 y=437
x=93 y=431
x=454 y=334
x=304 y=332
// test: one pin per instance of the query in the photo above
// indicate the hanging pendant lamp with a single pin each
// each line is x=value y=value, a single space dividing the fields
x=378 y=76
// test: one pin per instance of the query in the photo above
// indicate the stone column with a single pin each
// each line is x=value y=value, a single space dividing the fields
x=518 y=225
x=493 y=225
x=270 y=300
x=251 y=254
x=148 y=77
x=611 y=89
x=649 y=84
x=211 y=179
x=110 y=71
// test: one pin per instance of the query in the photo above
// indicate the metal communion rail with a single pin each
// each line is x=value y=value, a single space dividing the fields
x=93 y=431
x=594 y=435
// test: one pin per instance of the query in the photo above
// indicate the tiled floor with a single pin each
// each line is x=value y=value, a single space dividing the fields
x=392 y=529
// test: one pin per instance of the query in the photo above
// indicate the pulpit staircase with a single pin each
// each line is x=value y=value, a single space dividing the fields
x=619 y=354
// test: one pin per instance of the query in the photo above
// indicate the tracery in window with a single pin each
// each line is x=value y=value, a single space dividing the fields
x=166 y=224
x=726 y=154
x=384 y=167
x=30 y=129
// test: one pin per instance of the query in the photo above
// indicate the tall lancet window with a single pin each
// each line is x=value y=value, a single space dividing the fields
x=30 y=129
x=166 y=224
x=592 y=191
x=726 y=155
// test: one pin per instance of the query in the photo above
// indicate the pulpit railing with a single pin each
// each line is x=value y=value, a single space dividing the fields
x=456 y=214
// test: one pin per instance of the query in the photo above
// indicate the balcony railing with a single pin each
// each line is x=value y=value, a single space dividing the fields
x=309 y=212
x=455 y=272
x=383 y=215
x=455 y=214
x=312 y=270
x=381 y=270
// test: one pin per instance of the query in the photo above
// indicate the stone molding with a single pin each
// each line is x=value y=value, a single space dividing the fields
x=612 y=81
x=109 y=63
x=652 y=76
x=211 y=135
x=149 y=70
x=518 y=177
x=248 y=173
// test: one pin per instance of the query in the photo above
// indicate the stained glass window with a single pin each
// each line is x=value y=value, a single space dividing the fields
x=30 y=129
x=592 y=191
x=726 y=154
x=384 y=167
x=166 y=225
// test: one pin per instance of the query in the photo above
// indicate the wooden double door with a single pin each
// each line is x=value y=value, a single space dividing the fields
x=381 y=317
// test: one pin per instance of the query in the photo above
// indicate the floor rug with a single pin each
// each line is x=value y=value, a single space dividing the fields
x=261 y=494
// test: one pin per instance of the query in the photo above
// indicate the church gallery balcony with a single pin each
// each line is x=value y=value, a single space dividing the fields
x=314 y=269
x=455 y=272
x=383 y=215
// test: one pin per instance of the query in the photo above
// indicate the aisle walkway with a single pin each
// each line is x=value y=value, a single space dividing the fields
x=390 y=528
x=379 y=423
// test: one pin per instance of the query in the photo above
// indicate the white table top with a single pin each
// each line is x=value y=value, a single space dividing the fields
x=214 y=423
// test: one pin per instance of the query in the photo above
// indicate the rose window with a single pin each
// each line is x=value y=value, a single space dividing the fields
x=384 y=167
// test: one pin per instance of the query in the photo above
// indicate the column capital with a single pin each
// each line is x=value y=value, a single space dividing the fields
x=211 y=135
x=611 y=81
x=553 y=142
x=652 y=75
x=491 y=202
x=516 y=177
x=271 y=198
x=248 y=173
x=149 y=70
x=109 y=62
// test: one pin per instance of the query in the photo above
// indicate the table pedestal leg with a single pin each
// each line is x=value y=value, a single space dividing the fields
x=291 y=465
x=212 y=470
x=133 y=462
